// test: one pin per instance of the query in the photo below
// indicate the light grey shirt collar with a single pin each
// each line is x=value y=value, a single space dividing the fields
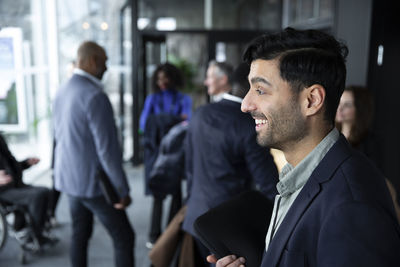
x=291 y=179
x=232 y=98
x=89 y=76
x=217 y=97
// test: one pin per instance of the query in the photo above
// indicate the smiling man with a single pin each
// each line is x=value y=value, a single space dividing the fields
x=333 y=207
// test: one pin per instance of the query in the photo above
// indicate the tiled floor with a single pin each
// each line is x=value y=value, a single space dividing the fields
x=100 y=252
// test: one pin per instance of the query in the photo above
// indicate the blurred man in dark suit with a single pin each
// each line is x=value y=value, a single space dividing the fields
x=223 y=158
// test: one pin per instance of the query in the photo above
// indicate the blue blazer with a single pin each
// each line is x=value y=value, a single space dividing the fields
x=86 y=139
x=343 y=216
x=223 y=159
x=169 y=101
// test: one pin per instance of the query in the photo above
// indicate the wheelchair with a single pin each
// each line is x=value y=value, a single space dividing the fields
x=16 y=222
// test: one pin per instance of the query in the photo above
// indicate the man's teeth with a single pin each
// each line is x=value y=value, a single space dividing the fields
x=261 y=121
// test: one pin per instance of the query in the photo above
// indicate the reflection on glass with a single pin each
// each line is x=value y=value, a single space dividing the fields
x=12 y=97
x=249 y=14
x=308 y=13
x=166 y=24
x=220 y=52
x=326 y=8
x=221 y=14
x=142 y=23
x=187 y=14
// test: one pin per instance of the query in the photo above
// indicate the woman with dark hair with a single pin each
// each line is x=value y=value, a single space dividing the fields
x=353 y=119
x=163 y=109
x=166 y=81
x=354 y=116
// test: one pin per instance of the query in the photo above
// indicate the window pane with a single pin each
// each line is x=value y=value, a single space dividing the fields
x=225 y=14
x=170 y=15
x=309 y=13
x=25 y=85
x=250 y=14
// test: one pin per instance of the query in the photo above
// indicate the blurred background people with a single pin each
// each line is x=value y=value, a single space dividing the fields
x=14 y=191
x=217 y=79
x=354 y=117
x=86 y=142
x=223 y=158
x=163 y=109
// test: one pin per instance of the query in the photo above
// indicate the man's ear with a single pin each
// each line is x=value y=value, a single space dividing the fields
x=93 y=60
x=224 y=79
x=315 y=97
x=91 y=65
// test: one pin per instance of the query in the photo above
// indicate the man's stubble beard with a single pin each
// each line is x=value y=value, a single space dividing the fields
x=286 y=126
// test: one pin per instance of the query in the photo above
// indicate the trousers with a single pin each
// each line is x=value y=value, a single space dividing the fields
x=115 y=221
x=34 y=198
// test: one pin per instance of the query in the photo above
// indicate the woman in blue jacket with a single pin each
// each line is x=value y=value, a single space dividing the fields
x=166 y=98
x=162 y=109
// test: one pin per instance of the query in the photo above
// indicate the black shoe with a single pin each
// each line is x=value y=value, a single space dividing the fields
x=31 y=244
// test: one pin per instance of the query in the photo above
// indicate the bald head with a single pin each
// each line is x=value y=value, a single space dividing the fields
x=92 y=58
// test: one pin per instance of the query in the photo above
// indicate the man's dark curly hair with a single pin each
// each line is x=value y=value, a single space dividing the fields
x=306 y=57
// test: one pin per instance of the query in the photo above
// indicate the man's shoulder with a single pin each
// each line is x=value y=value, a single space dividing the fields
x=229 y=118
x=223 y=105
x=344 y=167
x=81 y=86
x=78 y=95
x=203 y=109
x=217 y=109
x=79 y=81
x=358 y=164
x=358 y=178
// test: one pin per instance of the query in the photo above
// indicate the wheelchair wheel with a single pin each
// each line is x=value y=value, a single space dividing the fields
x=3 y=230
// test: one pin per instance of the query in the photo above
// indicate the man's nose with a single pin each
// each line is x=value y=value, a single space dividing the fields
x=247 y=103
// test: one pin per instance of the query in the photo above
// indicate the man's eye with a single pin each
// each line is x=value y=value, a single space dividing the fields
x=259 y=91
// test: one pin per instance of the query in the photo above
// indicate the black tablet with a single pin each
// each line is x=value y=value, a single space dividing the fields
x=237 y=227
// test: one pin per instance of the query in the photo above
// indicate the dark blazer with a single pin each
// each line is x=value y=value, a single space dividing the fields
x=223 y=159
x=168 y=171
x=157 y=126
x=343 y=216
x=13 y=167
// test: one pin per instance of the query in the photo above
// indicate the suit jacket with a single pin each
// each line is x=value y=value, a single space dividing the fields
x=343 y=216
x=11 y=166
x=223 y=159
x=86 y=139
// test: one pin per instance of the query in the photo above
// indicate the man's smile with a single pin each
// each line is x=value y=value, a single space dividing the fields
x=260 y=123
